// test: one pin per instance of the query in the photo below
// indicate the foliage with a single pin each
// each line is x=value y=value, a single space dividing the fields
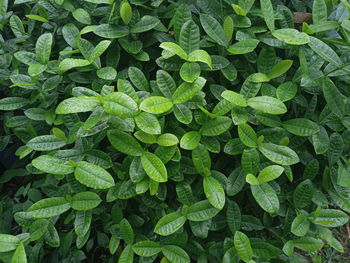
x=174 y=131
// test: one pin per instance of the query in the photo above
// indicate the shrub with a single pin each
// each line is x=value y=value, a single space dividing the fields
x=174 y=131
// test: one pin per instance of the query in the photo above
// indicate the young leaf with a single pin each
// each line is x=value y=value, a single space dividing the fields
x=243 y=46
x=300 y=225
x=190 y=140
x=243 y=247
x=214 y=192
x=52 y=165
x=120 y=104
x=48 y=207
x=247 y=135
x=267 y=12
x=93 y=175
x=154 y=167
x=291 y=36
x=85 y=201
x=156 y=105
x=20 y=254
x=187 y=91
x=174 y=49
x=189 y=72
x=266 y=197
x=125 y=12
x=270 y=173
x=267 y=104
x=148 y=123
x=280 y=68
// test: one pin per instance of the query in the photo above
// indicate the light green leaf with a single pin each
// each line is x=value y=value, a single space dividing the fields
x=243 y=247
x=154 y=167
x=187 y=91
x=120 y=104
x=260 y=77
x=189 y=72
x=13 y=103
x=82 y=16
x=107 y=73
x=247 y=135
x=234 y=98
x=216 y=126
x=148 y=123
x=228 y=28
x=43 y=48
x=300 y=225
x=201 y=159
x=125 y=12
x=167 y=139
x=127 y=256
x=286 y=91
x=174 y=49
x=324 y=51
x=213 y=28
x=189 y=37
x=48 y=207
x=45 y=143
x=126 y=231
x=175 y=254
x=77 y=104
x=201 y=211
x=330 y=218
x=169 y=224
x=8 y=242
x=93 y=175
x=200 y=56
x=111 y=31
x=165 y=83
x=20 y=254
x=156 y=105
x=52 y=165
x=267 y=104
x=308 y=243
x=291 y=36
x=125 y=143
x=301 y=127
x=243 y=46
x=146 y=23
x=279 y=154
x=99 y=49
x=85 y=201
x=138 y=78
x=190 y=140
x=319 y=11
x=280 y=68
x=266 y=197
x=69 y=63
x=37 y=18
x=268 y=14
x=214 y=192
x=146 y=248
x=270 y=173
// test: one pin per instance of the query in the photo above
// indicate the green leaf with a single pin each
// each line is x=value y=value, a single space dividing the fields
x=69 y=63
x=200 y=56
x=85 y=201
x=280 y=68
x=214 y=192
x=45 y=143
x=301 y=127
x=125 y=12
x=319 y=11
x=48 y=207
x=234 y=98
x=286 y=91
x=189 y=72
x=167 y=139
x=52 y=165
x=308 y=243
x=201 y=211
x=233 y=216
x=111 y=31
x=82 y=222
x=37 y=18
x=201 y=159
x=8 y=242
x=216 y=126
x=165 y=83
x=335 y=100
x=267 y=104
x=243 y=46
x=260 y=77
x=98 y=50
x=82 y=16
x=154 y=167
x=146 y=23
x=77 y=104
x=156 y=105
x=126 y=231
x=303 y=194
x=146 y=248
x=175 y=254
x=266 y=197
x=247 y=135
x=279 y=154
x=13 y=103
x=300 y=225
x=213 y=28
x=125 y=143
x=270 y=173
x=187 y=91
x=169 y=224
x=324 y=51
x=93 y=175
x=127 y=256
x=148 y=123
x=190 y=140
x=120 y=104
x=243 y=247
x=291 y=36
x=107 y=73
x=320 y=141
x=189 y=37
x=43 y=48
x=330 y=218
x=268 y=14
x=174 y=49
x=239 y=10
x=138 y=78
x=20 y=254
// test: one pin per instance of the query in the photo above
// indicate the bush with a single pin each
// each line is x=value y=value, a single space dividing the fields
x=174 y=131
